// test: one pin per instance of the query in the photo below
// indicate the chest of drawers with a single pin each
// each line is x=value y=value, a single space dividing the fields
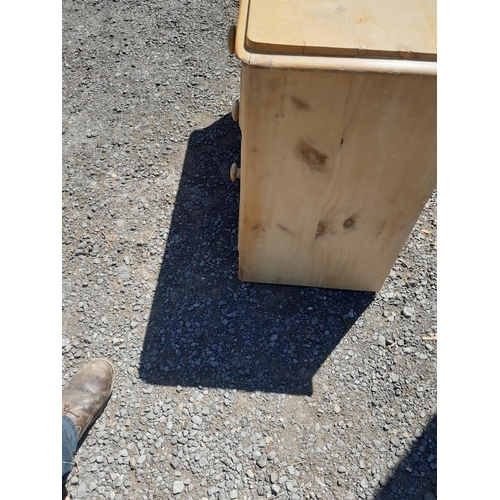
x=337 y=112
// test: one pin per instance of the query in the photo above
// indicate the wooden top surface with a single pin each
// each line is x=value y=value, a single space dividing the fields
x=398 y=29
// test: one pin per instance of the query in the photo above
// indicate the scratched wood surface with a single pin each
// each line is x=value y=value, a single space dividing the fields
x=335 y=170
x=403 y=29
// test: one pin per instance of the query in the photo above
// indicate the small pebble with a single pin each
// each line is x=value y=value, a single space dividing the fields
x=262 y=460
x=178 y=487
x=408 y=312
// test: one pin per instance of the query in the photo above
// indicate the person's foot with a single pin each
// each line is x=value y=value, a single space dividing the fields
x=86 y=394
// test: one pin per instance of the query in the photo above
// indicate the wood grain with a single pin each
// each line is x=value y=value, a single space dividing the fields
x=323 y=62
x=335 y=170
x=405 y=29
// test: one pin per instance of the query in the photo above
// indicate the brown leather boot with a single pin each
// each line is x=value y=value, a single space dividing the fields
x=86 y=394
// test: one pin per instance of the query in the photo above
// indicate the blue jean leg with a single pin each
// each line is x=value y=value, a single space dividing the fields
x=69 y=443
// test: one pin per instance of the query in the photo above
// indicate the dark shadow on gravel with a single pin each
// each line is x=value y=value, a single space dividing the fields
x=416 y=474
x=207 y=328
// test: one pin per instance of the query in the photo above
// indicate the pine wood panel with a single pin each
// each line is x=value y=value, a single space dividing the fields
x=335 y=170
x=322 y=62
x=404 y=29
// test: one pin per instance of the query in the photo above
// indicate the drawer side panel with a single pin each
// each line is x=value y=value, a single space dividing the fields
x=335 y=170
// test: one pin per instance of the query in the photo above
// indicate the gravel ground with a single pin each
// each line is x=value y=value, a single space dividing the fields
x=224 y=390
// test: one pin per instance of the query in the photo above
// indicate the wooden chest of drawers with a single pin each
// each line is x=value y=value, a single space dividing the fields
x=338 y=118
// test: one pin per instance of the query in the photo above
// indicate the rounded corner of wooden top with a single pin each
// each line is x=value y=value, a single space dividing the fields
x=241 y=53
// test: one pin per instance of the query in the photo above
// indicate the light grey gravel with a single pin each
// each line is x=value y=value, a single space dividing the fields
x=177 y=487
x=262 y=460
x=82 y=490
x=223 y=387
x=408 y=312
